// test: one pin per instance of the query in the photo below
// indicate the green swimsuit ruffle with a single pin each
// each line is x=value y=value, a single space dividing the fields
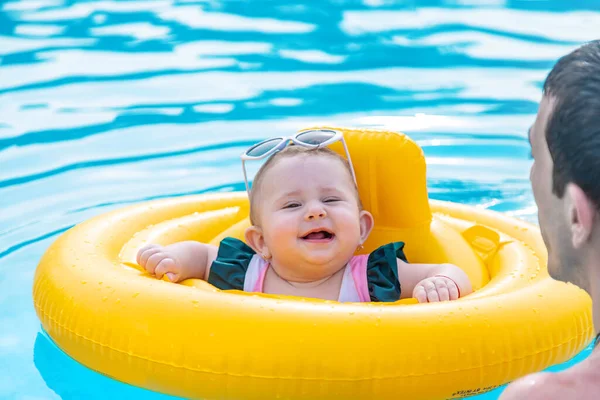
x=228 y=271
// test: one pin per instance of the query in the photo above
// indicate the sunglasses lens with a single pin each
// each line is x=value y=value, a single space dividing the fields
x=263 y=148
x=315 y=137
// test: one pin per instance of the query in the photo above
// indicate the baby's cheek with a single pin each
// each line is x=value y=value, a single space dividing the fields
x=282 y=233
x=352 y=225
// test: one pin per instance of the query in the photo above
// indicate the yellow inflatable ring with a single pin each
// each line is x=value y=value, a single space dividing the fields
x=195 y=341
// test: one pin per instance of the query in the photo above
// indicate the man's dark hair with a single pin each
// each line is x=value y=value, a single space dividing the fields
x=573 y=130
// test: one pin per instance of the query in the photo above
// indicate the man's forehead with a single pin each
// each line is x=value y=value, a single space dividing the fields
x=544 y=112
x=541 y=121
x=531 y=134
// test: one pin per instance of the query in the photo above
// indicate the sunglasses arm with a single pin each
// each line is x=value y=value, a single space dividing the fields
x=245 y=177
x=349 y=160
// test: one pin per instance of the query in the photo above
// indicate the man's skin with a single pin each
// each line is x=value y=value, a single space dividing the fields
x=570 y=227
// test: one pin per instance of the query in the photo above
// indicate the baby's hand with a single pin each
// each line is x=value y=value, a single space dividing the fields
x=158 y=261
x=436 y=288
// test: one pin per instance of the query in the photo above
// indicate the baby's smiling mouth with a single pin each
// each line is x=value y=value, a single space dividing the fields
x=318 y=235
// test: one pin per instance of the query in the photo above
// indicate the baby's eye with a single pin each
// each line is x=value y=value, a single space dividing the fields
x=291 y=205
x=331 y=199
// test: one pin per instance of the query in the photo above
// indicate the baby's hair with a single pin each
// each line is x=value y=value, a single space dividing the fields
x=294 y=151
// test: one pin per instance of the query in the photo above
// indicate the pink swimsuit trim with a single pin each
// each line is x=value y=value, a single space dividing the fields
x=358 y=269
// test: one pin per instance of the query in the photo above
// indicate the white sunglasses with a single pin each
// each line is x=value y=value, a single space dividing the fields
x=312 y=138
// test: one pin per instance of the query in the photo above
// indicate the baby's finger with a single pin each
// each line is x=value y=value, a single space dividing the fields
x=432 y=294
x=145 y=253
x=165 y=265
x=420 y=294
x=442 y=289
x=154 y=260
x=453 y=290
x=144 y=249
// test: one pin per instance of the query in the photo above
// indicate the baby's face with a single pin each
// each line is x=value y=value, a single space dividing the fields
x=309 y=216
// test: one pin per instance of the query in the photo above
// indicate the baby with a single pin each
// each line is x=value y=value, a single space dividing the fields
x=307 y=223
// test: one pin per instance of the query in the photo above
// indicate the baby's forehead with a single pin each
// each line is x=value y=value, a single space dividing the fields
x=315 y=171
x=304 y=162
x=307 y=169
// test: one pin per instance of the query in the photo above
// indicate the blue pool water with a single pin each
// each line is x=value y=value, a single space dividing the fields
x=108 y=103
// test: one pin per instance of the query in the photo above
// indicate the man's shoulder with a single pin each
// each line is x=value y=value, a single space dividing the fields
x=581 y=382
x=532 y=387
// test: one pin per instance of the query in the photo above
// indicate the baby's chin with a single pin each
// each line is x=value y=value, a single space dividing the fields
x=325 y=262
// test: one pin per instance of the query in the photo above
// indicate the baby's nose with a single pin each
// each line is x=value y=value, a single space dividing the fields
x=316 y=213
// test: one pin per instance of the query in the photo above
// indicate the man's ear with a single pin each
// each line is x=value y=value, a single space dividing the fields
x=366 y=225
x=255 y=239
x=581 y=214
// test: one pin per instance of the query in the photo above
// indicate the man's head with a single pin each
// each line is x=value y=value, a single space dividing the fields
x=565 y=175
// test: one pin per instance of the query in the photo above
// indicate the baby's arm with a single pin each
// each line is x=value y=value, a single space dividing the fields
x=432 y=282
x=179 y=261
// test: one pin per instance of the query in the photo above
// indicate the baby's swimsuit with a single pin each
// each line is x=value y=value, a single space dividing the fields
x=372 y=277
